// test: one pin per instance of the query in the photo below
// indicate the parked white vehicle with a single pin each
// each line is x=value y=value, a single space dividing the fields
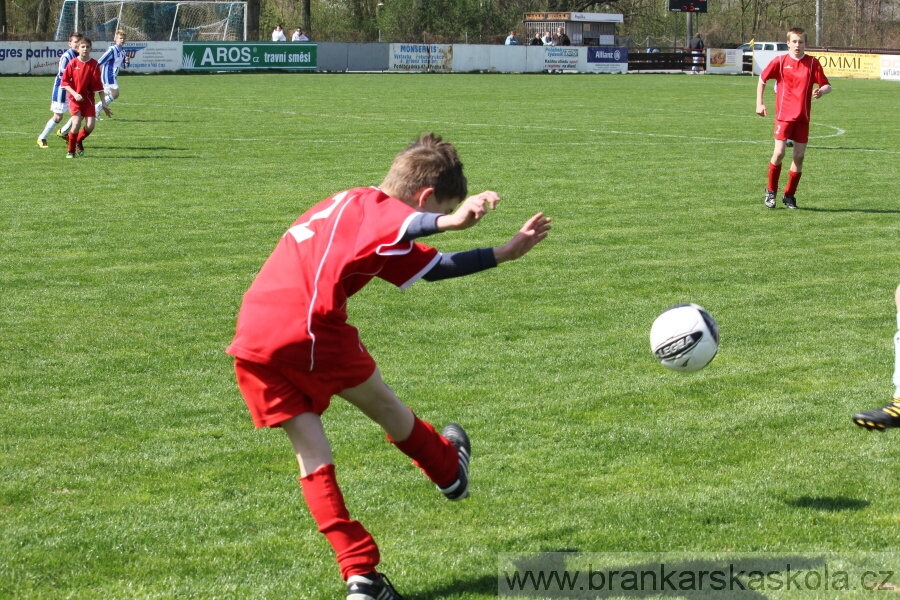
x=777 y=46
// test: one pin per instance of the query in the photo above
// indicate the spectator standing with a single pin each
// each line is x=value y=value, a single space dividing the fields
x=278 y=34
x=548 y=38
x=561 y=38
x=299 y=36
x=536 y=40
x=697 y=47
x=511 y=39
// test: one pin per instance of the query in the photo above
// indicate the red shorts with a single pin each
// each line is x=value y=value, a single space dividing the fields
x=86 y=107
x=792 y=130
x=275 y=393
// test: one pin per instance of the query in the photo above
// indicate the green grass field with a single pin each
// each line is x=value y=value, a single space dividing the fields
x=129 y=467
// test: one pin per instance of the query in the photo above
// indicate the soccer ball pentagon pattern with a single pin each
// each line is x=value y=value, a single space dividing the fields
x=684 y=338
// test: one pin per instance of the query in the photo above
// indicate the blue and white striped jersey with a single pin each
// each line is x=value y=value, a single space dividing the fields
x=110 y=63
x=59 y=94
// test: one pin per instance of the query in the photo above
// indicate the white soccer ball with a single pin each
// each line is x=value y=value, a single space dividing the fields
x=684 y=338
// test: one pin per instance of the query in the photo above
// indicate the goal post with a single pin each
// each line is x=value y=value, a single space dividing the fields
x=154 y=20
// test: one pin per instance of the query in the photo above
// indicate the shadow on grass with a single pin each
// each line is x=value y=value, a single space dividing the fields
x=876 y=211
x=123 y=119
x=136 y=149
x=550 y=575
x=828 y=503
x=486 y=585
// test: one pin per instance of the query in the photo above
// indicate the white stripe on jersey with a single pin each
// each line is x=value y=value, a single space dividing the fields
x=110 y=63
x=59 y=94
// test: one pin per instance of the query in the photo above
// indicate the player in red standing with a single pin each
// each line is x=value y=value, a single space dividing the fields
x=796 y=75
x=81 y=80
x=294 y=349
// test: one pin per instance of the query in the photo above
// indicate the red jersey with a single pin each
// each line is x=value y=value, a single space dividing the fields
x=294 y=313
x=795 y=79
x=83 y=77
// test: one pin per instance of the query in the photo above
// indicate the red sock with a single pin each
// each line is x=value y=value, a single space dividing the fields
x=431 y=452
x=356 y=550
x=774 y=176
x=83 y=134
x=792 y=183
x=72 y=138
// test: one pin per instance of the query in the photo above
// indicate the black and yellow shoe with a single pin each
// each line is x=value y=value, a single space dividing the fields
x=62 y=135
x=883 y=418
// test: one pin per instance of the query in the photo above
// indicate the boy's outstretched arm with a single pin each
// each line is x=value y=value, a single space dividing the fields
x=469 y=212
x=458 y=264
x=532 y=233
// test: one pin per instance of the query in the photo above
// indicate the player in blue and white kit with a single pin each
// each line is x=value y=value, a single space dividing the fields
x=59 y=98
x=110 y=63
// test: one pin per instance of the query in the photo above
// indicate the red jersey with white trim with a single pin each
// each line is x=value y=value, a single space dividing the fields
x=83 y=77
x=295 y=311
x=795 y=79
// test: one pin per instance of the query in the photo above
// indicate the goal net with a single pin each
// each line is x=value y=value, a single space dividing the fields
x=154 y=20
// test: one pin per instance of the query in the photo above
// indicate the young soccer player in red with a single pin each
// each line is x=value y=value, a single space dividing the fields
x=294 y=348
x=796 y=75
x=81 y=79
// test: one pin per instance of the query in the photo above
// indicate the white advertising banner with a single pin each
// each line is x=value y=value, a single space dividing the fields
x=561 y=58
x=42 y=58
x=153 y=57
x=762 y=58
x=890 y=67
x=421 y=57
x=14 y=57
x=720 y=60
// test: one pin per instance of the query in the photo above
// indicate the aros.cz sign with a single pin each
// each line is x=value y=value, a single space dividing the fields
x=244 y=56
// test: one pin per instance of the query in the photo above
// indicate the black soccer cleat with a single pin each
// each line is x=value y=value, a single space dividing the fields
x=457 y=436
x=371 y=586
x=79 y=148
x=770 y=199
x=886 y=417
x=789 y=201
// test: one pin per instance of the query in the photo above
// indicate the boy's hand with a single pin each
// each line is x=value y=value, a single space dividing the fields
x=761 y=110
x=532 y=233
x=469 y=212
x=77 y=96
x=107 y=111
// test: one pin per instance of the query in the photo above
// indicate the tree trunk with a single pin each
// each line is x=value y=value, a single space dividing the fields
x=253 y=20
x=43 y=15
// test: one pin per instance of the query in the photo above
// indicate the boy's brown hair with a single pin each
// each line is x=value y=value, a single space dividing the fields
x=797 y=31
x=427 y=162
x=75 y=35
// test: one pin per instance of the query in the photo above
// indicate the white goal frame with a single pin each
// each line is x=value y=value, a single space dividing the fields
x=154 y=20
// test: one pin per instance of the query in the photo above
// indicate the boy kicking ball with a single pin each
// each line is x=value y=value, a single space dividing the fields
x=887 y=416
x=294 y=348
x=81 y=79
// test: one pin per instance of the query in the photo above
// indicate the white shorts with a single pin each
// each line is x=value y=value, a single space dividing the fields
x=110 y=86
x=59 y=108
